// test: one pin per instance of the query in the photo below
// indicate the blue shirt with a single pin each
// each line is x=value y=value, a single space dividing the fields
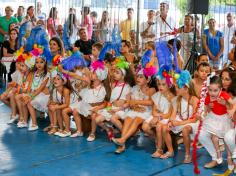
x=213 y=42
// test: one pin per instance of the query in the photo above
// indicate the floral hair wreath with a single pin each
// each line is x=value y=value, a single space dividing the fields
x=122 y=64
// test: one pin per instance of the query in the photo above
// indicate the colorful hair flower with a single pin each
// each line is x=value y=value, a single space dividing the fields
x=184 y=79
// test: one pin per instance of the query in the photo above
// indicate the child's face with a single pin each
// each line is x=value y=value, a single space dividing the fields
x=94 y=76
x=203 y=72
x=40 y=64
x=226 y=80
x=118 y=75
x=95 y=52
x=162 y=86
x=203 y=58
x=57 y=81
x=141 y=80
x=13 y=35
x=214 y=90
x=124 y=48
x=23 y=68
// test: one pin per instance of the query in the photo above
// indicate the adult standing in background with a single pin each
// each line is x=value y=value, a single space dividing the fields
x=148 y=28
x=87 y=21
x=213 y=44
x=52 y=22
x=5 y=22
x=165 y=23
x=94 y=16
x=39 y=13
x=228 y=30
x=127 y=25
x=20 y=13
x=103 y=28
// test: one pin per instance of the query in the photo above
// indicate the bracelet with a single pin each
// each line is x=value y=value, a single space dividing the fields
x=31 y=96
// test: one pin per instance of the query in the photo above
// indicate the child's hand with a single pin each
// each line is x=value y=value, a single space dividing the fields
x=12 y=84
x=231 y=113
x=221 y=101
x=154 y=121
x=175 y=123
x=52 y=107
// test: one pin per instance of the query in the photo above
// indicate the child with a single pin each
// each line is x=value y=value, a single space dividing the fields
x=161 y=112
x=59 y=99
x=203 y=70
x=184 y=105
x=150 y=45
x=38 y=97
x=8 y=97
x=117 y=105
x=217 y=121
x=96 y=48
x=140 y=110
x=202 y=58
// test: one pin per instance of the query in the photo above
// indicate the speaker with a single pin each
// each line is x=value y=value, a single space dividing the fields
x=198 y=6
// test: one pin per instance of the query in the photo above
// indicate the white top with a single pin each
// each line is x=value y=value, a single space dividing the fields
x=58 y=98
x=152 y=30
x=163 y=27
x=137 y=94
x=116 y=92
x=38 y=80
x=228 y=35
x=161 y=102
x=96 y=95
x=17 y=77
x=186 y=110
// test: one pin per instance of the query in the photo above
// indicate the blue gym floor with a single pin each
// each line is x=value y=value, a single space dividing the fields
x=24 y=153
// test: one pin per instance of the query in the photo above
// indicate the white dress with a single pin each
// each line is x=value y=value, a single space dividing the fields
x=163 y=105
x=40 y=102
x=116 y=93
x=89 y=96
x=217 y=124
x=186 y=111
x=137 y=94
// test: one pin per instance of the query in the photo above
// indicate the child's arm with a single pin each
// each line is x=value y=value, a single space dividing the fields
x=40 y=89
x=66 y=94
x=76 y=76
x=233 y=107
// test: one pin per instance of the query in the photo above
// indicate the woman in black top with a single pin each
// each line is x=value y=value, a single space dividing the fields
x=9 y=48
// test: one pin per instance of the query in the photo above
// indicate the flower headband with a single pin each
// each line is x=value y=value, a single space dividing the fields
x=122 y=64
x=100 y=69
x=147 y=64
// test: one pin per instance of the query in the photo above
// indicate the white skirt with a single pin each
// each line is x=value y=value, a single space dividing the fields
x=177 y=129
x=217 y=124
x=40 y=102
x=82 y=107
x=107 y=115
x=162 y=121
x=143 y=115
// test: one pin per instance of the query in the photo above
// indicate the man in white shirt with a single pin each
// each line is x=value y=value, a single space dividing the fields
x=228 y=30
x=165 y=24
x=148 y=29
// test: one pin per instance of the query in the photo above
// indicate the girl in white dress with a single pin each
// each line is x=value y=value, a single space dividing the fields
x=116 y=107
x=38 y=97
x=161 y=112
x=60 y=98
x=140 y=108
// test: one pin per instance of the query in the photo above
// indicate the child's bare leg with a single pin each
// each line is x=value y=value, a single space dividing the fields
x=215 y=140
x=78 y=121
x=115 y=120
x=148 y=129
x=66 y=118
x=13 y=105
x=59 y=119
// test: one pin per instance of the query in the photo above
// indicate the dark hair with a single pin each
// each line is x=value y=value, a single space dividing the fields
x=86 y=9
x=16 y=42
x=71 y=21
x=94 y=14
x=82 y=29
x=216 y=80
x=202 y=54
x=52 y=12
x=130 y=9
x=178 y=43
x=129 y=77
x=232 y=75
x=109 y=57
x=203 y=64
x=232 y=87
x=98 y=45
x=127 y=43
x=107 y=85
x=59 y=43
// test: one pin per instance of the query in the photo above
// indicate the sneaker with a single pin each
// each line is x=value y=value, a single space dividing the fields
x=58 y=133
x=77 y=134
x=33 y=128
x=12 y=120
x=91 y=138
x=22 y=125
x=64 y=134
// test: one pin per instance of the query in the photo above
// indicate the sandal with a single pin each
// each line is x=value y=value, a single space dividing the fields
x=120 y=149
x=187 y=159
x=167 y=155
x=52 y=131
x=48 y=128
x=91 y=138
x=116 y=142
x=157 y=153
